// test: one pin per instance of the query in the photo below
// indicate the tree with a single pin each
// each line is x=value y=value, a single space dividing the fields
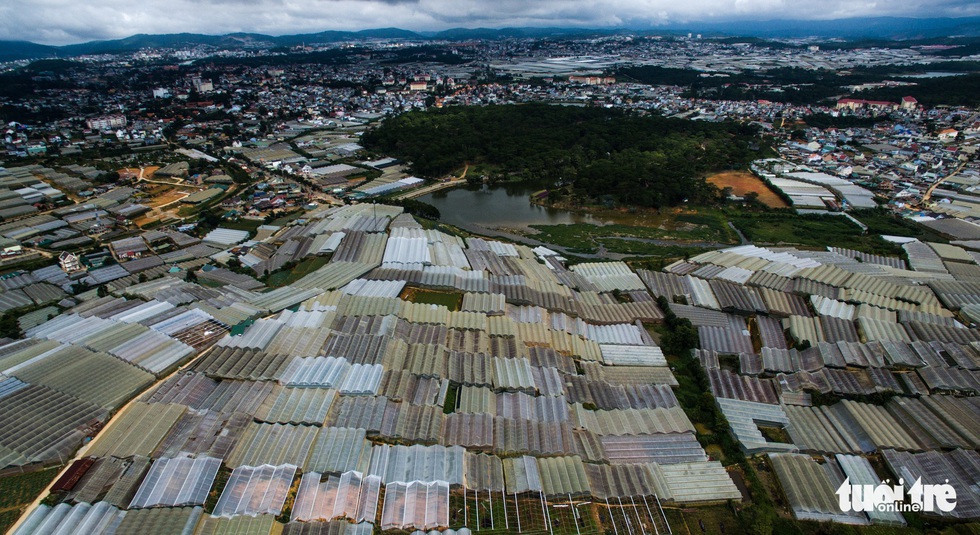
x=758 y=519
x=9 y=327
x=604 y=153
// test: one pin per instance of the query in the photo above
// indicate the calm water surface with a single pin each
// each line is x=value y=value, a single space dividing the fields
x=499 y=207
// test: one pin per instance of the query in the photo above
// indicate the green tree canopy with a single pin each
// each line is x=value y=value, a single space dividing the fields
x=640 y=160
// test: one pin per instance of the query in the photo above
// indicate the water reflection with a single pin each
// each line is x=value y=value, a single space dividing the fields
x=504 y=206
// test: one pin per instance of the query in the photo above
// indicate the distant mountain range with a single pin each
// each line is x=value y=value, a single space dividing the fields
x=881 y=28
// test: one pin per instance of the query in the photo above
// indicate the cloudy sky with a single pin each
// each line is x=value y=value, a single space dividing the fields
x=71 y=21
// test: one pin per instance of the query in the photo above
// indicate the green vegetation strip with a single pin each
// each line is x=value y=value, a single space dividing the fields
x=18 y=491
x=21 y=489
x=694 y=394
x=290 y=274
x=787 y=228
x=8 y=518
x=249 y=225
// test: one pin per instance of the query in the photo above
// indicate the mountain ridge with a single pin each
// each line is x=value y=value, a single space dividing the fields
x=881 y=28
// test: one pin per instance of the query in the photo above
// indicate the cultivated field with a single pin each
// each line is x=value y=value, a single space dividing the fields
x=164 y=196
x=163 y=201
x=743 y=182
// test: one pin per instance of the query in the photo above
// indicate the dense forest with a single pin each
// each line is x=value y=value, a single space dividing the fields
x=961 y=90
x=638 y=160
x=808 y=86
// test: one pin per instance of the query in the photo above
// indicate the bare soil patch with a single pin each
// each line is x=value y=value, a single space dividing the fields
x=743 y=182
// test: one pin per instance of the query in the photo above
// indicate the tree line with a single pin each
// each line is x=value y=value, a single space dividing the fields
x=602 y=153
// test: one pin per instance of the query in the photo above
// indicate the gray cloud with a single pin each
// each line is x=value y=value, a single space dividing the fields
x=70 y=21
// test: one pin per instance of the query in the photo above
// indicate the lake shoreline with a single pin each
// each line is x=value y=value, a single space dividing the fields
x=512 y=213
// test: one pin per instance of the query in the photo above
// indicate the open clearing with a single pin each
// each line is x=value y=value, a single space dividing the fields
x=164 y=195
x=450 y=300
x=743 y=182
x=163 y=202
x=289 y=276
x=147 y=171
x=670 y=232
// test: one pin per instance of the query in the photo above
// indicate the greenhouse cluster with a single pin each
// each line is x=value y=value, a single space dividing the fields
x=423 y=381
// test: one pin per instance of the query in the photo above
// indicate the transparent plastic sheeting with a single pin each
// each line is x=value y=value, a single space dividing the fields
x=350 y=495
x=418 y=463
x=98 y=519
x=326 y=372
x=176 y=482
x=256 y=490
x=416 y=505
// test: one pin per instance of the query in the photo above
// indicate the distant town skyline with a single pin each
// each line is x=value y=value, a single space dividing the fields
x=59 y=22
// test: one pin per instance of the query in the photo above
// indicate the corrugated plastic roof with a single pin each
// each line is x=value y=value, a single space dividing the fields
x=177 y=482
x=275 y=444
x=254 y=491
x=129 y=433
x=418 y=463
x=698 y=482
x=743 y=417
x=338 y=450
x=98 y=519
x=810 y=490
x=349 y=495
x=416 y=505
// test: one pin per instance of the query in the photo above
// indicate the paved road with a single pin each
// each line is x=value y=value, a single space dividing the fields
x=745 y=241
x=925 y=198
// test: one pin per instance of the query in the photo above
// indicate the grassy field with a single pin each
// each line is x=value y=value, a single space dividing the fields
x=706 y=225
x=289 y=276
x=17 y=492
x=715 y=518
x=642 y=249
x=667 y=234
x=285 y=220
x=787 y=228
x=164 y=195
x=450 y=300
x=249 y=225
x=662 y=235
x=880 y=222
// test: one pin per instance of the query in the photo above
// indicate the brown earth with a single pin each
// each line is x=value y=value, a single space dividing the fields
x=743 y=182
x=147 y=171
x=165 y=197
x=164 y=203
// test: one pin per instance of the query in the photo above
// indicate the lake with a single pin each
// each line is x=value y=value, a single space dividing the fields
x=495 y=207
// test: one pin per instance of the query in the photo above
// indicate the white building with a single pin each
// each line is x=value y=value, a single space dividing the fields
x=108 y=122
x=202 y=86
x=69 y=262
